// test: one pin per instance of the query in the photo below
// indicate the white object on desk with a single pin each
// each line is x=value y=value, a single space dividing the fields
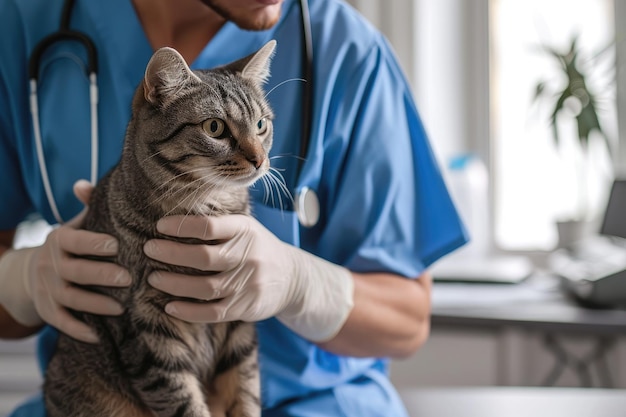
x=467 y=178
x=488 y=269
x=593 y=269
x=468 y=295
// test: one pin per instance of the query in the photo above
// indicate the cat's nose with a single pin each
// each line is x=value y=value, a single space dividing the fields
x=257 y=160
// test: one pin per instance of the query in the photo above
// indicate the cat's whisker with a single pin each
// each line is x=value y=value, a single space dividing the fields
x=270 y=187
x=280 y=188
x=201 y=179
x=171 y=193
x=206 y=228
x=180 y=203
x=200 y=193
x=189 y=211
x=166 y=183
x=284 y=82
x=213 y=182
x=287 y=156
x=269 y=190
x=272 y=181
x=189 y=198
x=265 y=190
x=221 y=184
x=152 y=156
x=286 y=191
x=280 y=181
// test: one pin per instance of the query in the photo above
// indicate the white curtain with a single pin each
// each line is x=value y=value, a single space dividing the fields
x=442 y=46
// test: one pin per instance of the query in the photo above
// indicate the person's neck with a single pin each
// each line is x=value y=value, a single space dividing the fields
x=185 y=25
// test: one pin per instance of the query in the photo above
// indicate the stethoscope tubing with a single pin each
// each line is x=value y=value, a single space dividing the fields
x=307 y=95
x=34 y=107
x=64 y=34
x=306 y=203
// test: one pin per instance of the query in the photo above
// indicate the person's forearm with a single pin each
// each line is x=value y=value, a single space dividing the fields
x=390 y=318
x=9 y=328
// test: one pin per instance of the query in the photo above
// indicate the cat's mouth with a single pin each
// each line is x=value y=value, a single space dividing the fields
x=250 y=177
x=235 y=176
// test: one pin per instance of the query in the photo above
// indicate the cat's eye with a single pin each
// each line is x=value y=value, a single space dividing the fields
x=214 y=127
x=261 y=126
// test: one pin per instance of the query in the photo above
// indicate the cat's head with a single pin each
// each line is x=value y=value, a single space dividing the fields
x=210 y=127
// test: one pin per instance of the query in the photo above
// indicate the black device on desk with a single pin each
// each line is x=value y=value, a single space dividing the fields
x=593 y=269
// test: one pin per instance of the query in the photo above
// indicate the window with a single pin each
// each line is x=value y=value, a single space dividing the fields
x=474 y=66
x=535 y=182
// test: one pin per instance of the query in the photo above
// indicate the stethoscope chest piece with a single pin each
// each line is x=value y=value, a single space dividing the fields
x=307 y=207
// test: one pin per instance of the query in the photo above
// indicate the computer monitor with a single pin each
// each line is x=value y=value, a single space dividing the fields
x=614 y=223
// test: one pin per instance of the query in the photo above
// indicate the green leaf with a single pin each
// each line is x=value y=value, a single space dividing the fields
x=587 y=120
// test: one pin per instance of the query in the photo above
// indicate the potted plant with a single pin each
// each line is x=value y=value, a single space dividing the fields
x=574 y=98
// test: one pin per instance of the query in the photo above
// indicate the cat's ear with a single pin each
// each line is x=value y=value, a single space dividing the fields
x=166 y=74
x=256 y=67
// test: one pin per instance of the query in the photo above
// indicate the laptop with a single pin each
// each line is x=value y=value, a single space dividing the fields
x=593 y=269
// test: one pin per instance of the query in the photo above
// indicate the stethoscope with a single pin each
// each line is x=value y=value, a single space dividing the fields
x=64 y=34
x=306 y=203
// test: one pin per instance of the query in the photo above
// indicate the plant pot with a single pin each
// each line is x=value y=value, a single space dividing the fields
x=569 y=231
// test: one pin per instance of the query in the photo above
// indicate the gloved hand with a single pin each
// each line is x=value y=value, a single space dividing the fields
x=257 y=276
x=36 y=283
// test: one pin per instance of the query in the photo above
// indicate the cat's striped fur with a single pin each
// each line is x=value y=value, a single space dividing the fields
x=178 y=158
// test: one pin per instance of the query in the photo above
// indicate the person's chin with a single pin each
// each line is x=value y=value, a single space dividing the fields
x=269 y=2
x=256 y=15
x=265 y=21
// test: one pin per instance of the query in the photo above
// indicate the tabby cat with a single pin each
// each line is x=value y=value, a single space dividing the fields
x=195 y=142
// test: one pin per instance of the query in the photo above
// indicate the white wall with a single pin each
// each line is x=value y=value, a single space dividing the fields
x=620 y=18
x=442 y=46
x=19 y=376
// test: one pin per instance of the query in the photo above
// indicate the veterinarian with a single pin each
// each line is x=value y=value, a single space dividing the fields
x=347 y=281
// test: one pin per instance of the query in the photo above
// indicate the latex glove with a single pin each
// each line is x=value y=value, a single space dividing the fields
x=36 y=283
x=257 y=276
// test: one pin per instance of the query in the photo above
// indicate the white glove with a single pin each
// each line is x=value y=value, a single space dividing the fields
x=257 y=276
x=36 y=283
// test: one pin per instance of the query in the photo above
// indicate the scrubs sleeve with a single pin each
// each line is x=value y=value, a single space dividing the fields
x=14 y=201
x=386 y=198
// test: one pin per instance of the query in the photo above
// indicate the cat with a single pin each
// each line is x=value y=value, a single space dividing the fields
x=195 y=142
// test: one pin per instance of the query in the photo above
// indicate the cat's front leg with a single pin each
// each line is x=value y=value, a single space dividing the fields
x=248 y=402
x=236 y=391
x=177 y=394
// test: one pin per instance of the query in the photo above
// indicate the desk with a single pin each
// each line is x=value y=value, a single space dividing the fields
x=514 y=402
x=537 y=305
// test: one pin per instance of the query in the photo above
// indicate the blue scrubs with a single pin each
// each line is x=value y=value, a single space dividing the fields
x=384 y=206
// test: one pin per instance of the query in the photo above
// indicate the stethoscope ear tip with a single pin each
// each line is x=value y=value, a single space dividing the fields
x=307 y=207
